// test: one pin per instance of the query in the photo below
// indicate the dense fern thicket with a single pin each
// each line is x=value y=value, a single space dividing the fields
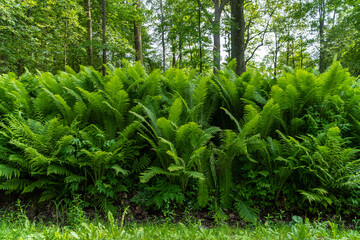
x=180 y=139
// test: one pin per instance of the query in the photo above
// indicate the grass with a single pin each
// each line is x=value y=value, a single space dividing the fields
x=75 y=225
x=17 y=226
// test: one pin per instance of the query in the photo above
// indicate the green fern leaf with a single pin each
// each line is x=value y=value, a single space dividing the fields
x=9 y=172
x=175 y=111
x=48 y=195
x=152 y=172
x=74 y=179
x=118 y=170
x=203 y=193
x=59 y=170
x=175 y=168
x=245 y=211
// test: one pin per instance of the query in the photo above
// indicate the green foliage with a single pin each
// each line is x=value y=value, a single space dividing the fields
x=234 y=142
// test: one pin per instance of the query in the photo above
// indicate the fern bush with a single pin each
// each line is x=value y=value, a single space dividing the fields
x=232 y=141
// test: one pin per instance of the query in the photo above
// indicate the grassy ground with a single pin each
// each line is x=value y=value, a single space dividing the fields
x=19 y=227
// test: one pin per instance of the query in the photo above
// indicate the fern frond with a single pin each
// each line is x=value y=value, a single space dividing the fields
x=48 y=195
x=203 y=193
x=234 y=119
x=175 y=168
x=59 y=170
x=268 y=117
x=166 y=128
x=152 y=172
x=14 y=184
x=9 y=172
x=175 y=111
x=73 y=178
x=119 y=169
x=195 y=174
x=39 y=184
x=245 y=211
x=141 y=163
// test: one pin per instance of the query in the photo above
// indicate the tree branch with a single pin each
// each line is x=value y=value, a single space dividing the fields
x=248 y=35
x=223 y=3
x=207 y=14
x=262 y=38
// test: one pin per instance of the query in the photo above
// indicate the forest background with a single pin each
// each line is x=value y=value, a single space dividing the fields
x=48 y=35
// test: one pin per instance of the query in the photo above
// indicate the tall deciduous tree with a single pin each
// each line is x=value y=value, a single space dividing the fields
x=104 y=35
x=248 y=31
x=238 y=35
x=90 y=33
x=215 y=21
x=137 y=36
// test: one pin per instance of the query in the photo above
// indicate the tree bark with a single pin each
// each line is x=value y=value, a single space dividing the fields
x=137 y=37
x=216 y=36
x=162 y=35
x=65 y=37
x=89 y=26
x=277 y=47
x=180 y=50
x=104 y=35
x=238 y=35
x=218 y=7
x=173 y=64
x=321 y=35
x=200 y=41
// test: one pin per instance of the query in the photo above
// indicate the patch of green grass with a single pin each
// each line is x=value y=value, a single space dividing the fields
x=19 y=227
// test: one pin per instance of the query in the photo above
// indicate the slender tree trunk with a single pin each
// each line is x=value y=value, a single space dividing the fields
x=287 y=51
x=180 y=50
x=173 y=64
x=89 y=26
x=162 y=35
x=293 y=54
x=137 y=37
x=215 y=22
x=65 y=37
x=104 y=35
x=238 y=35
x=301 y=53
x=216 y=36
x=200 y=41
x=276 y=53
x=321 y=35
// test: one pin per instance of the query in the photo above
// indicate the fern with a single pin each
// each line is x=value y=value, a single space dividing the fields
x=9 y=172
x=152 y=172
x=203 y=193
x=175 y=111
x=268 y=117
x=245 y=211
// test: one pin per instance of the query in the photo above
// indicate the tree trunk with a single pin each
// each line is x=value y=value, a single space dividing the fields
x=215 y=22
x=293 y=54
x=321 y=35
x=89 y=25
x=276 y=53
x=200 y=41
x=287 y=52
x=301 y=53
x=137 y=37
x=104 y=35
x=180 y=50
x=65 y=37
x=162 y=35
x=173 y=57
x=216 y=36
x=238 y=35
